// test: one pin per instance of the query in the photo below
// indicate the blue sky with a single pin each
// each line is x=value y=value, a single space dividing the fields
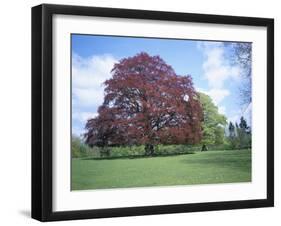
x=94 y=56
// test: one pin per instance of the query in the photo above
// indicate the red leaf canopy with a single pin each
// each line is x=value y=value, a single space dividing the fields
x=146 y=103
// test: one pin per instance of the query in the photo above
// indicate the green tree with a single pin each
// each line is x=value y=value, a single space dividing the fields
x=232 y=138
x=231 y=129
x=213 y=122
x=239 y=136
x=243 y=134
x=78 y=148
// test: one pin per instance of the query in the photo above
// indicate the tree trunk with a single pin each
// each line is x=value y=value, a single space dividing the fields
x=105 y=152
x=149 y=149
x=204 y=147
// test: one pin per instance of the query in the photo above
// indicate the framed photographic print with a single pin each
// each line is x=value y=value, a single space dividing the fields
x=145 y=112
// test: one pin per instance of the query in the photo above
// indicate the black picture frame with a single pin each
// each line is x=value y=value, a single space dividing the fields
x=42 y=107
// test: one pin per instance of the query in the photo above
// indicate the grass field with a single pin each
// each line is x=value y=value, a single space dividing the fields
x=199 y=168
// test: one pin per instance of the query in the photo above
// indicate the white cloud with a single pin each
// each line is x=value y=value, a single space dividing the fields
x=83 y=116
x=222 y=110
x=88 y=96
x=246 y=112
x=216 y=68
x=78 y=131
x=88 y=76
x=217 y=95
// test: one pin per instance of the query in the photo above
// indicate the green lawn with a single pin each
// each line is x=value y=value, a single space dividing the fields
x=199 y=168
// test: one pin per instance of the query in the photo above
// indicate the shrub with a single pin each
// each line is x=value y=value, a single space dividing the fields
x=77 y=149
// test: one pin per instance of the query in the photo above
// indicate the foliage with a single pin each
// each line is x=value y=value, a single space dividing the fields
x=135 y=151
x=200 y=168
x=240 y=135
x=232 y=136
x=244 y=134
x=77 y=148
x=213 y=122
x=146 y=103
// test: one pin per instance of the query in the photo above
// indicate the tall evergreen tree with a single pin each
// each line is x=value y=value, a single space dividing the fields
x=244 y=134
x=232 y=135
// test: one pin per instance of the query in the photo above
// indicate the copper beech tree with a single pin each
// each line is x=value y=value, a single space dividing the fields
x=146 y=103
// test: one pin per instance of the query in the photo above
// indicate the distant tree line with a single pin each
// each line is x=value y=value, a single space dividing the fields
x=240 y=135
